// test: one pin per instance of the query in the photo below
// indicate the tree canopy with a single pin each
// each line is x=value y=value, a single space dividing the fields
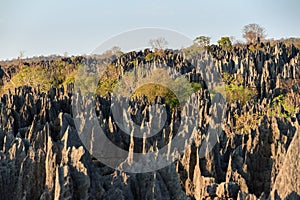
x=202 y=41
x=225 y=43
x=252 y=32
x=158 y=43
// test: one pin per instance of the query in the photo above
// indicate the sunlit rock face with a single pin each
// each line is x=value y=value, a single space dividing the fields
x=43 y=156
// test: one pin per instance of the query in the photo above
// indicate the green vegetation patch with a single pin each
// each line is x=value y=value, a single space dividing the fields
x=153 y=90
x=31 y=76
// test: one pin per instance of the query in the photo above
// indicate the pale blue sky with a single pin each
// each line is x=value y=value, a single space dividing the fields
x=44 y=27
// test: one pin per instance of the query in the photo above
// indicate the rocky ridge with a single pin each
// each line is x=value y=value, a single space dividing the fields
x=42 y=156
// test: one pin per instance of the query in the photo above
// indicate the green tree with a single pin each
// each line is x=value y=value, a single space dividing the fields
x=113 y=51
x=31 y=76
x=86 y=81
x=202 y=41
x=225 y=43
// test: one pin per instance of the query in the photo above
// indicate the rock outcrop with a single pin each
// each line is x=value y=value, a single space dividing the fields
x=42 y=154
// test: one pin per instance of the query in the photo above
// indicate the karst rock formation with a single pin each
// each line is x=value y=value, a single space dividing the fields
x=43 y=157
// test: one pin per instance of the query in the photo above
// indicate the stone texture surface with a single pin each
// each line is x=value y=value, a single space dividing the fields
x=42 y=156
